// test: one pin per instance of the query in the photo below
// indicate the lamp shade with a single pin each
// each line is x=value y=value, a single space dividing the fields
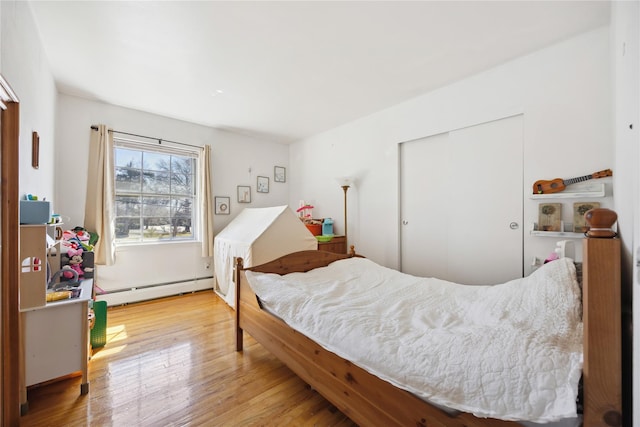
x=345 y=181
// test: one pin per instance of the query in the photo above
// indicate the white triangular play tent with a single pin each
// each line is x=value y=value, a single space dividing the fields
x=258 y=235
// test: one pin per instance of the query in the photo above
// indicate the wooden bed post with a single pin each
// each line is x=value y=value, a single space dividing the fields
x=602 y=372
x=238 y=265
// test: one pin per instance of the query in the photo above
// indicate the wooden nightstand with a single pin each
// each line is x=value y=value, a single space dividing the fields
x=337 y=245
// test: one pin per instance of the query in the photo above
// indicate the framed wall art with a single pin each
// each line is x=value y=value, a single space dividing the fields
x=550 y=216
x=244 y=194
x=262 y=185
x=223 y=205
x=579 y=209
x=35 y=150
x=279 y=174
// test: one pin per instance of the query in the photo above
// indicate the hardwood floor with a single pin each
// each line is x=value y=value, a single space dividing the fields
x=171 y=362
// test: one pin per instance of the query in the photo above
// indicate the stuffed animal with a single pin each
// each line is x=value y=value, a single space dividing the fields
x=76 y=264
x=67 y=272
x=78 y=238
x=71 y=252
x=82 y=234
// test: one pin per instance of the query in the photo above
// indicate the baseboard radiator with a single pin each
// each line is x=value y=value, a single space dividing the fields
x=144 y=293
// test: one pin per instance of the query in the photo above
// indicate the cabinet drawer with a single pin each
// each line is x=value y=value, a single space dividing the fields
x=337 y=245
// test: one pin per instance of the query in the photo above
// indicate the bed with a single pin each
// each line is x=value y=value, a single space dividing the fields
x=370 y=400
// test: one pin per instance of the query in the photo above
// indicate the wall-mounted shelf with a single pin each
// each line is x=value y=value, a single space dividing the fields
x=567 y=234
x=593 y=190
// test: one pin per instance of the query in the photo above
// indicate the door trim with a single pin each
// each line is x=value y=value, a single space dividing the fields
x=9 y=254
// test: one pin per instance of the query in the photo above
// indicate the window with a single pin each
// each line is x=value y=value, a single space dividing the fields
x=155 y=190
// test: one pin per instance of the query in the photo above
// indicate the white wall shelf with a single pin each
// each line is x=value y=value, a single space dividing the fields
x=567 y=234
x=593 y=190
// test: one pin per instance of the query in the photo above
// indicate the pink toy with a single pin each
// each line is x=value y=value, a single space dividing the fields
x=67 y=272
x=76 y=264
x=305 y=210
x=82 y=235
x=72 y=251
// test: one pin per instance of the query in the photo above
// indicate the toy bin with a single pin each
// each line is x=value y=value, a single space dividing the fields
x=315 y=229
x=99 y=331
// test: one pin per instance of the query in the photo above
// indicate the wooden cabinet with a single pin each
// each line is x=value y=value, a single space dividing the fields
x=56 y=341
x=54 y=336
x=337 y=245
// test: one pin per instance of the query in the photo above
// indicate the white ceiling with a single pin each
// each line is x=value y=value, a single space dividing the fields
x=287 y=70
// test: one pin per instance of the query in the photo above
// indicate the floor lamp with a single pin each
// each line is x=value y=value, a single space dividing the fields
x=345 y=184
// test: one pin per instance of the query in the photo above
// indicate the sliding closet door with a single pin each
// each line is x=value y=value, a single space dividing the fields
x=461 y=204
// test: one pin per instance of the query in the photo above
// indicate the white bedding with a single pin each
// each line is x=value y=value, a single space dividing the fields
x=511 y=351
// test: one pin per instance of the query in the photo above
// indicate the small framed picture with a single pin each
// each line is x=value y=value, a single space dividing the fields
x=244 y=194
x=263 y=184
x=549 y=216
x=579 y=209
x=279 y=174
x=35 y=150
x=223 y=205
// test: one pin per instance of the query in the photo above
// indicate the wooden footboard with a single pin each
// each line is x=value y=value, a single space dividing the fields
x=368 y=400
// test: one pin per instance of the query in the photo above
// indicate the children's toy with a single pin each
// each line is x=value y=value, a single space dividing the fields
x=76 y=264
x=66 y=272
x=78 y=238
x=305 y=210
x=71 y=252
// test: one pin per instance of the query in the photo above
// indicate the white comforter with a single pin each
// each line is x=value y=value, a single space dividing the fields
x=511 y=351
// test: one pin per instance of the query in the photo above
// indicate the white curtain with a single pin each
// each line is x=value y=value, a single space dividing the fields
x=99 y=210
x=206 y=210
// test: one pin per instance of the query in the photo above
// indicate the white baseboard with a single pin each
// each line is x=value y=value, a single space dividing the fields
x=152 y=292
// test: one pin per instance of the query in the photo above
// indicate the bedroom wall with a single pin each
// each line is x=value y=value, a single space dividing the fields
x=26 y=68
x=563 y=91
x=625 y=57
x=137 y=266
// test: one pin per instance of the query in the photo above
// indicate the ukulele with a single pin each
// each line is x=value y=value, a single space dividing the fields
x=557 y=185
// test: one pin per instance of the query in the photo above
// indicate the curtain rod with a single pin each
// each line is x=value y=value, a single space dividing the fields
x=160 y=140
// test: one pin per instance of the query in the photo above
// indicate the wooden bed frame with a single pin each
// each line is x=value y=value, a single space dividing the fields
x=368 y=400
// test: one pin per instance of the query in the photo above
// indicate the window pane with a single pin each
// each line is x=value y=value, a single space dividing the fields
x=157 y=161
x=182 y=229
x=181 y=207
x=156 y=228
x=128 y=158
x=127 y=206
x=182 y=184
x=128 y=229
x=156 y=182
x=182 y=165
x=182 y=217
x=127 y=180
x=156 y=206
